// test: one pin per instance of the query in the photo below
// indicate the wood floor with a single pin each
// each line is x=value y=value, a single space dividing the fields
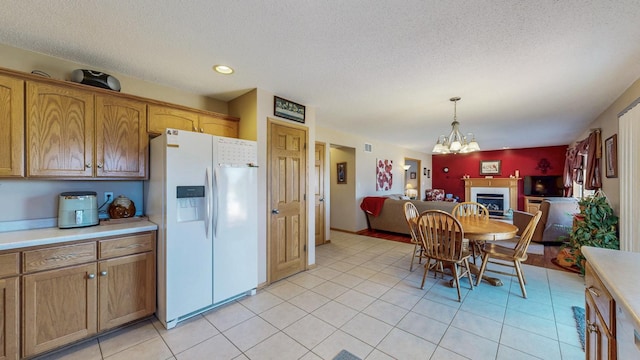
x=546 y=260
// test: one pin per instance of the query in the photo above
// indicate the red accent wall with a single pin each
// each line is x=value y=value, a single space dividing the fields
x=524 y=160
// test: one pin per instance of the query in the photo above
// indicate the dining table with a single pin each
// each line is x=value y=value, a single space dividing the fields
x=486 y=229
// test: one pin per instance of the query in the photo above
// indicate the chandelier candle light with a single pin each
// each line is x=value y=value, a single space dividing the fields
x=455 y=142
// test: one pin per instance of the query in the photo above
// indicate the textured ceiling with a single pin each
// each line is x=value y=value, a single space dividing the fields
x=530 y=73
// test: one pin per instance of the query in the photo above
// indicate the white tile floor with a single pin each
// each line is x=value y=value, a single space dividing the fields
x=362 y=298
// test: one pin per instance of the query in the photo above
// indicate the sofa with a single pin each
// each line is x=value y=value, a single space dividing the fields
x=391 y=215
x=556 y=221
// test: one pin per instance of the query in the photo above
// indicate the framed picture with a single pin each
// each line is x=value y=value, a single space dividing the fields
x=384 y=174
x=342 y=172
x=491 y=167
x=288 y=109
x=412 y=175
x=611 y=156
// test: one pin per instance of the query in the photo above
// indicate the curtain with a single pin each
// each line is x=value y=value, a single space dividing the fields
x=591 y=147
x=593 y=178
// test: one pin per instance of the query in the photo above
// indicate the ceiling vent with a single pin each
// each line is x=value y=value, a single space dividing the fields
x=367 y=147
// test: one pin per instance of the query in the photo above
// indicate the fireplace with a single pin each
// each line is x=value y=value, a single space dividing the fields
x=493 y=202
x=495 y=199
x=507 y=187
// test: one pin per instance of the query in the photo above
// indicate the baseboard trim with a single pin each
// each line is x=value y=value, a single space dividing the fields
x=347 y=231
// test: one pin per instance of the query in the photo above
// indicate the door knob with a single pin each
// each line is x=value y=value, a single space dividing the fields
x=275 y=211
x=91 y=276
x=321 y=199
x=103 y=273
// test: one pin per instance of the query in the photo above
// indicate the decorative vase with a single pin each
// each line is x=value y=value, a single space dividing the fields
x=122 y=207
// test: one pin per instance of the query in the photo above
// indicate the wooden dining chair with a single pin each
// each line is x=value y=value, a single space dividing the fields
x=411 y=215
x=470 y=208
x=443 y=240
x=510 y=257
x=474 y=209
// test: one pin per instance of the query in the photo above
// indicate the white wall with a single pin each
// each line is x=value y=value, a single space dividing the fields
x=365 y=172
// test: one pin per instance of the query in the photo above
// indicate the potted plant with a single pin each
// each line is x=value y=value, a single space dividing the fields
x=595 y=225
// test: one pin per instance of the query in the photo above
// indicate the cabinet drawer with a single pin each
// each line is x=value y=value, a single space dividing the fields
x=601 y=297
x=59 y=256
x=9 y=264
x=127 y=245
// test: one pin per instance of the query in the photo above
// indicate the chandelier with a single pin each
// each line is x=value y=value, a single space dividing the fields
x=455 y=142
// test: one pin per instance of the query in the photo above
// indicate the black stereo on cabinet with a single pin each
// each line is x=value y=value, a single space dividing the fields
x=95 y=78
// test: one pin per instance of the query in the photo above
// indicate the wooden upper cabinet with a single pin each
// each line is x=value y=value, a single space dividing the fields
x=162 y=117
x=121 y=137
x=59 y=131
x=218 y=126
x=12 y=125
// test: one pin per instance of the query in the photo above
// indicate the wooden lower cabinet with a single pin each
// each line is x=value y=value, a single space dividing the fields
x=600 y=327
x=59 y=307
x=126 y=289
x=115 y=285
x=600 y=343
x=9 y=318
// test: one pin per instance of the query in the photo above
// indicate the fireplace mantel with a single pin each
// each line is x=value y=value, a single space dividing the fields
x=511 y=183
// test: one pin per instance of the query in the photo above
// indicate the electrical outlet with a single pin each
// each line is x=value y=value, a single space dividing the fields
x=108 y=196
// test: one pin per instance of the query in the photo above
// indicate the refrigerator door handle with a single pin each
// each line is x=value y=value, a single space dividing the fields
x=216 y=202
x=207 y=189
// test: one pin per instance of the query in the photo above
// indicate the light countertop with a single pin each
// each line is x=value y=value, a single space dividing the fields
x=620 y=273
x=25 y=238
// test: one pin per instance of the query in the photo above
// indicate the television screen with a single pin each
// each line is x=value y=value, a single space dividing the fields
x=549 y=185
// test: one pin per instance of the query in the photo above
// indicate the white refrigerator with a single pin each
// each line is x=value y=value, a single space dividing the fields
x=202 y=192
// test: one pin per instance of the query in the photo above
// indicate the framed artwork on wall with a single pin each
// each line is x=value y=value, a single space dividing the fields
x=611 y=156
x=342 y=172
x=288 y=109
x=490 y=167
x=384 y=175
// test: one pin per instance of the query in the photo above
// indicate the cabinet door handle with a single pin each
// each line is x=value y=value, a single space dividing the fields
x=201 y=130
x=88 y=165
x=593 y=292
x=99 y=165
x=103 y=273
x=591 y=327
x=91 y=276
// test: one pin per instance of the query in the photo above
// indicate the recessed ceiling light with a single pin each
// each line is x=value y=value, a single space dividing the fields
x=223 y=69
